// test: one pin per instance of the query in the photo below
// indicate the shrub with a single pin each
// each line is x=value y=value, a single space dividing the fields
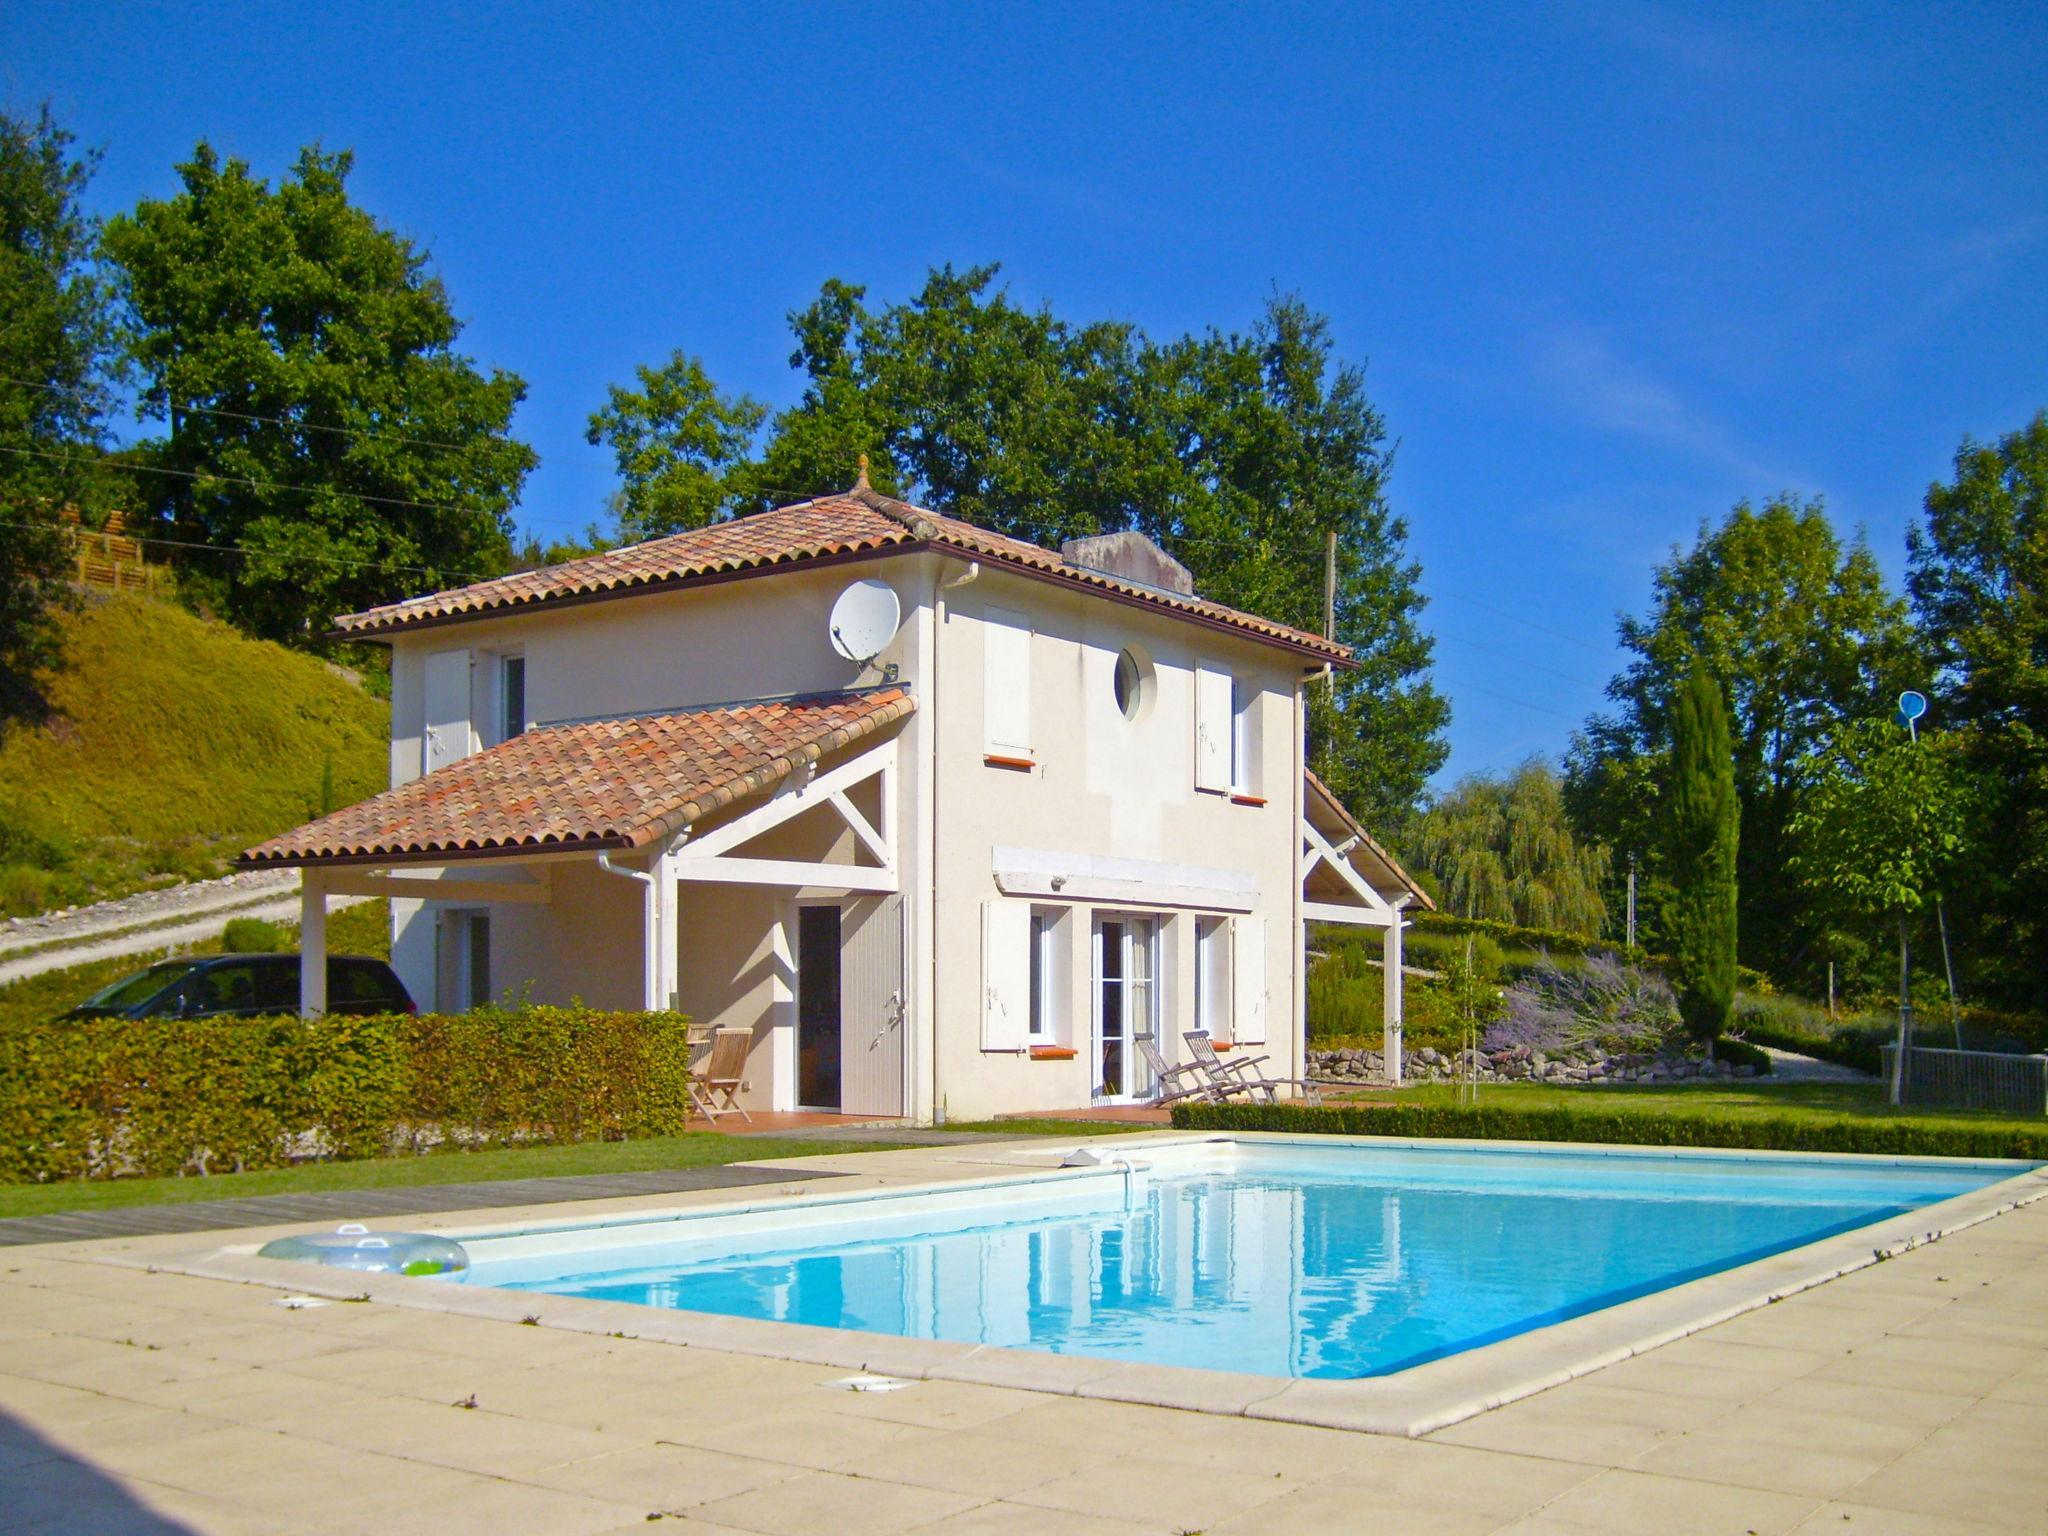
x=1600 y=1003
x=253 y=936
x=24 y=889
x=1742 y=1054
x=1890 y=1137
x=99 y=1098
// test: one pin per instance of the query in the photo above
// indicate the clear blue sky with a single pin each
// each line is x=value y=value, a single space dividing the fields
x=1611 y=266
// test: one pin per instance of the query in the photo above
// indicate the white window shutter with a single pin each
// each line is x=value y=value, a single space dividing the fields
x=1213 y=727
x=1248 y=970
x=1006 y=683
x=1005 y=975
x=447 y=718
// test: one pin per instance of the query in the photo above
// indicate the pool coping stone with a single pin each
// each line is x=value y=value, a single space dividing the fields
x=1409 y=1403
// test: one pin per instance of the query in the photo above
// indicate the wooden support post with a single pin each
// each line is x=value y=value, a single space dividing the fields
x=312 y=943
x=1390 y=999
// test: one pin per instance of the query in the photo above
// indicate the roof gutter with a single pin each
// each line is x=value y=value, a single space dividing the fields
x=383 y=633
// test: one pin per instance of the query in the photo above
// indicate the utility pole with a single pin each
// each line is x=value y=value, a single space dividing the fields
x=1631 y=902
x=1330 y=585
x=1330 y=598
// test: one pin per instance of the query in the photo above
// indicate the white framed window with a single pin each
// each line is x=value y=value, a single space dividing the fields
x=511 y=695
x=1213 y=1000
x=1244 y=737
x=1046 y=976
x=462 y=968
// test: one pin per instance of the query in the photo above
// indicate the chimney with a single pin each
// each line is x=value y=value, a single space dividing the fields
x=1130 y=557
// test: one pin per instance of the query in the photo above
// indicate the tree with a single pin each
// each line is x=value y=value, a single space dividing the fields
x=677 y=441
x=1239 y=453
x=1978 y=575
x=1501 y=848
x=57 y=365
x=1802 y=633
x=1702 y=833
x=1884 y=830
x=323 y=432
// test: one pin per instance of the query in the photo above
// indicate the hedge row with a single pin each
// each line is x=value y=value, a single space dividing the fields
x=105 y=1097
x=1896 y=1137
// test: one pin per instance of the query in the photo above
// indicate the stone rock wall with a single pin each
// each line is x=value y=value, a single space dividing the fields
x=1517 y=1065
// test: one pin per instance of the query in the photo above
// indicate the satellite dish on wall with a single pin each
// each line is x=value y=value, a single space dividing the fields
x=864 y=620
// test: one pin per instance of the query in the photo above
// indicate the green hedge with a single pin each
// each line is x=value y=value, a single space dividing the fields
x=98 y=1098
x=1896 y=1137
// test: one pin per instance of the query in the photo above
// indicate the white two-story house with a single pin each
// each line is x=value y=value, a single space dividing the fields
x=949 y=821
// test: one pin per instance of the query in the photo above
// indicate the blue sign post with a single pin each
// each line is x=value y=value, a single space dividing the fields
x=1911 y=707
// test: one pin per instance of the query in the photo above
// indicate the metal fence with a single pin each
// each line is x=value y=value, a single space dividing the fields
x=2013 y=1085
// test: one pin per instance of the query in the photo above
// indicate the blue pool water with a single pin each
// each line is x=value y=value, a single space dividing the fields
x=1268 y=1258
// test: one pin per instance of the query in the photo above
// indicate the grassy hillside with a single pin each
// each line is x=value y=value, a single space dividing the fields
x=177 y=743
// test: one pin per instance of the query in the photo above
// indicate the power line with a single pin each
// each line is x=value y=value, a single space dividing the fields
x=126 y=467
x=1509 y=614
x=267 y=554
x=274 y=421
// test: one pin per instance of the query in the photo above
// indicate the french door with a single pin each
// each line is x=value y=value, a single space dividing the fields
x=1126 y=994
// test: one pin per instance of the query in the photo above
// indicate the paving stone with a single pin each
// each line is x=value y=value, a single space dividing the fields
x=355 y=1205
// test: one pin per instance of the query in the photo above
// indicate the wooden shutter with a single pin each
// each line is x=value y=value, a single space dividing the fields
x=1248 y=971
x=446 y=690
x=1212 y=728
x=1005 y=975
x=872 y=1007
x=1006 y=683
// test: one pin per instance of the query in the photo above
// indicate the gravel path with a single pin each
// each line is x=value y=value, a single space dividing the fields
x=1791 y=1067
x=148 y=922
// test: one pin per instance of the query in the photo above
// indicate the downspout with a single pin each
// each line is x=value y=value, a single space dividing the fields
x=653 y=964
x=939 y=591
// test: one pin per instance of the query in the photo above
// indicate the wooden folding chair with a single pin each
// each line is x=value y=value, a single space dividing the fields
x=1171 y=1084
x=716 y=1089
x=1243 y=1074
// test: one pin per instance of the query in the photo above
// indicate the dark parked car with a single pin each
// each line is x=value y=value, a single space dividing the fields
x=205 y=985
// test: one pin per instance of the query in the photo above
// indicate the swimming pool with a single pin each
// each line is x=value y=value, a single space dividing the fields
x=1274 y=1258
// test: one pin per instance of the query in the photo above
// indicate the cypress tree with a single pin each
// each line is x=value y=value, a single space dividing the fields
x=1701 y=827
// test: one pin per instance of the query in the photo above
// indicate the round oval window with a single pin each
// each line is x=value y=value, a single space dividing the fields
x=1130 y=684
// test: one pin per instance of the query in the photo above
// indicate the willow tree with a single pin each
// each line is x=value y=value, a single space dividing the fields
x=1701 y=838
x=1502 y=848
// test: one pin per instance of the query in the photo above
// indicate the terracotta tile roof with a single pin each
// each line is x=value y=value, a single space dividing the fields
x=832 y=528
x=1382 y=872
x=592 y=784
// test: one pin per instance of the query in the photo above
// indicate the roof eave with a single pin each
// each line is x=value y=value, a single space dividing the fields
x=384 y=632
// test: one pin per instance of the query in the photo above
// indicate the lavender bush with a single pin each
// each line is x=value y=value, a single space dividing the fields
x=1600 y=1003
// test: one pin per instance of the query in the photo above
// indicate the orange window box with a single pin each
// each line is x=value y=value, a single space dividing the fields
x=1053 y=1053
x=997 y=760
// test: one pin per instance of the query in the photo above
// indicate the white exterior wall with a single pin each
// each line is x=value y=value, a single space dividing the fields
x=758 y=638
x=1104 y=785
x=1100 y=785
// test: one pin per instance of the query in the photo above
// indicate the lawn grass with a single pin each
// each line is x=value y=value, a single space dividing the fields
x=699 y=1149
x=176 y=743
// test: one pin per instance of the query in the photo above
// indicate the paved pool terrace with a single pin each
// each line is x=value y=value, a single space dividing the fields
x=1905 y=1395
